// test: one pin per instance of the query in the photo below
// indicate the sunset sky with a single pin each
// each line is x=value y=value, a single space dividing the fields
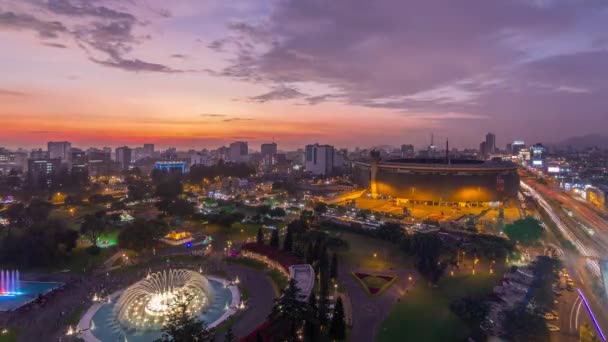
x=197 y=73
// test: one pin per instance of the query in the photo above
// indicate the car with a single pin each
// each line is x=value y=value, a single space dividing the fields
x=549 y=316
x=552 y=327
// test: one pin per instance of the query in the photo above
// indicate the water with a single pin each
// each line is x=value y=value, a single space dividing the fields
x=9 y=283
x=106 y=327
x=27 y=292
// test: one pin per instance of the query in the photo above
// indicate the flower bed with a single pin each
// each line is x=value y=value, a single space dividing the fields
x=374 y=284
x=272 y=255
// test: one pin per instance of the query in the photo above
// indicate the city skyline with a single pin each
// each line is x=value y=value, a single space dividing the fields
x=195 y=74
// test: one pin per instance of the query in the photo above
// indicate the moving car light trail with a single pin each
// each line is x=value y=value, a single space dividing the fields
x=597 y=326
x=585 y=251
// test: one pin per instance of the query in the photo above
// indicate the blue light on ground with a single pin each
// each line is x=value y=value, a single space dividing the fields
x=28 y=291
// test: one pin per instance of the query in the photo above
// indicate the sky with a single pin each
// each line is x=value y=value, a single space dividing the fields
x=199 y=74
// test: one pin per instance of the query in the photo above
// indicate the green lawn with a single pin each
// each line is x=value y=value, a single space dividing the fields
x=9 y=336
x=361 y=250
x=424 y=315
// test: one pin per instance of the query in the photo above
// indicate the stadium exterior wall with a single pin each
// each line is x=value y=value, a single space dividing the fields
x=441 y=182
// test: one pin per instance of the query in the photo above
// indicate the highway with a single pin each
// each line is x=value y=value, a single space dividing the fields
x=581 y=262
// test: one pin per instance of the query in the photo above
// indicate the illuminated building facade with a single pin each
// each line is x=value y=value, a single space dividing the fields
x=439 y=180
x=172 y=166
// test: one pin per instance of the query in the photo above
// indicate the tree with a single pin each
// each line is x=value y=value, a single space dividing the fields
x=333 y=270
x=320 y=208
x=290 y=308
x=142 y=234
x=38 y=210
x=310 y=254
x=229 y=337
x=184 y=327
x=92 y=227
x=277 y=212
x=427 y=248
x=274 y=239
x=288 y=241
x=311 y=326
x=521 y=324
x=390 y=231
x=262 y=210
x=260 y=237
x=337 y=328
x=526 y=231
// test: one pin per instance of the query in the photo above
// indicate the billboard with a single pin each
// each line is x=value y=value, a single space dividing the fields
x=537 y=162
x=553 y=169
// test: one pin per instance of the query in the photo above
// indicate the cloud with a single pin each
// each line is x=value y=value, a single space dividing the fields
x=56 y=45
x=279 y=93
x=135 y=65
x=105 y=34
x=490 y=59
x=237 y=119
x=45 y=29
x=11 y=93
x=212 y=115
x=178 y=55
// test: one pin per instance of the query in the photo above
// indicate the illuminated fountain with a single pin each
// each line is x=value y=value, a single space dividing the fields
x=9 y=283
x=146 y=305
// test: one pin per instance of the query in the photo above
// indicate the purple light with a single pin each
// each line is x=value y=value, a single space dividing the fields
x=597 y=326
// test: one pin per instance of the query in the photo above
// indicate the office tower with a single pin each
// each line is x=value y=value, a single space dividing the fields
x=148 y=150
x=39 y=154
x=60 y=149
x=319 y=159
x=516 y=146
x=269 y=153
x=238 y=152
x=40 y=171
x=123 y=156
x=537 y=155
x=490 y=143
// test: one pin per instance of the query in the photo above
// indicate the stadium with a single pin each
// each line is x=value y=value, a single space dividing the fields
x=439 y=181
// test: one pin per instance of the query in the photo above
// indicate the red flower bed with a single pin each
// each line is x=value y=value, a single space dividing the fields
x=285 y=259
x=374 y=284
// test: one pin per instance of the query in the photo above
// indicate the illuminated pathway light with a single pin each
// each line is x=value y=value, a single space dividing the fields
x=597 y=326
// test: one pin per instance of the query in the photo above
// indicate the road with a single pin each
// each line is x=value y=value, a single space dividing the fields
x=581 y=262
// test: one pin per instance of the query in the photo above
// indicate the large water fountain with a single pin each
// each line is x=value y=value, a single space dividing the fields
x=9 y=283
x=147 y=304
x=139 y=312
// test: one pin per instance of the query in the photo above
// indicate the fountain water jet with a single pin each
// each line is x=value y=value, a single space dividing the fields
x=147 y=304
x=9 y=283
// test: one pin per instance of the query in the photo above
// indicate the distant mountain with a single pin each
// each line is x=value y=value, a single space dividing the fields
x=584 y=141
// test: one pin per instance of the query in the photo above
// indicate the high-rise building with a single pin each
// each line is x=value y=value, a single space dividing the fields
x=319 y=159
x=40 y=171
x=269 y=153
x=123 y=156
x=537 y=155
x=239 y=152
x=12 y=161
x=516 y=146
x=39 y=154
x=148 y=150
x=60 y=149
x=490 y=143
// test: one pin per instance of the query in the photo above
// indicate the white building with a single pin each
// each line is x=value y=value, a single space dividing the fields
x=239 y=152
x=319 y=159
x=199 y=158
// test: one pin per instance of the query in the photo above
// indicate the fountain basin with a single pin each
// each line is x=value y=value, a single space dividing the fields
x=100 y=323
x=28 y=292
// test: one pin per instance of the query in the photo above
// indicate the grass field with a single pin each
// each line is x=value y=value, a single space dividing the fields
x=424 y=314
x=368 y=253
